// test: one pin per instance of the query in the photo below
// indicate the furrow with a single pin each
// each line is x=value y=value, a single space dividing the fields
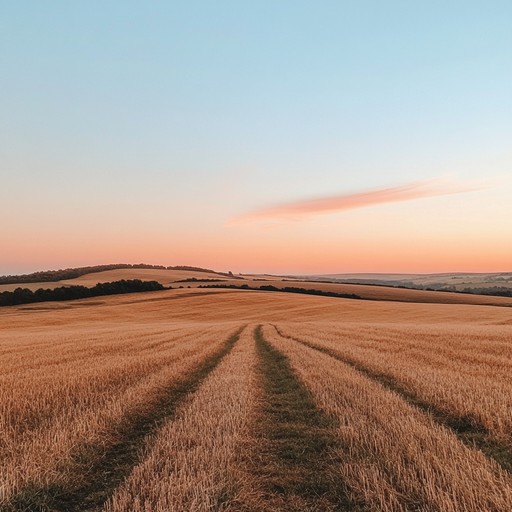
x=467 y=430
x=194 y=462
x=392 y=456
x=104 y=467
x=294 y=440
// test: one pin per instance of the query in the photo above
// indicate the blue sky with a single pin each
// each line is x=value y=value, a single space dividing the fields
x=129 y=118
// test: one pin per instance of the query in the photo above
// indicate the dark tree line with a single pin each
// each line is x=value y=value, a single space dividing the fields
x=287 y=289
x=499 y=291
x=307 y=291
x=26 y=296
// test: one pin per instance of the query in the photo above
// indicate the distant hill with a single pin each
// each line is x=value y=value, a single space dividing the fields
x=193 y=277
x=494 y=283
x=50 y=276
x=90 y=276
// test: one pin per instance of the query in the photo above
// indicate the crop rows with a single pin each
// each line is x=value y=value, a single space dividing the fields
x=464 y=378
x=59 y=424
x=395 y=457
x=196 y=457
x=273 y=417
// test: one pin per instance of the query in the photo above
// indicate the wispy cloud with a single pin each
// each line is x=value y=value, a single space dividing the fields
x=304 y=208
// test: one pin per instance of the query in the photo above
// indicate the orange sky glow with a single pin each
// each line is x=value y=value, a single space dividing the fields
x=152 y=134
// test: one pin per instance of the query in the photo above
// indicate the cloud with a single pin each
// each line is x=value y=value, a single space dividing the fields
x=305 y=208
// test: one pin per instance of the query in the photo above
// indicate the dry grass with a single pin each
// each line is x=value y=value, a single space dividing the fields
x=290 y=454
x=196 y=456
x=395 y=458
x=386 y=293
x=60 y=408
x=81 y=382
x=464 y=372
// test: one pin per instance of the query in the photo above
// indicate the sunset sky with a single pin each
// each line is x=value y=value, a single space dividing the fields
x=267 y=136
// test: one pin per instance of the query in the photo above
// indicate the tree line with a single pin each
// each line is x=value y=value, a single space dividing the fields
x=287 y=289
x=499 y=291
x=27 y=296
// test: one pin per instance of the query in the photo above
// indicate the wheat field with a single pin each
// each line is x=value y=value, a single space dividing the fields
x=230 y=400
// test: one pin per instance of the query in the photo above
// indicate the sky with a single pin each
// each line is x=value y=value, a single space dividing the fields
x=282 y=137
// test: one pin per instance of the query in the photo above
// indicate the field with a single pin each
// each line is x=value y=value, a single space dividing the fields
x=455 y=280
x=211 y=399
x=165 y=277
x=193 y=279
